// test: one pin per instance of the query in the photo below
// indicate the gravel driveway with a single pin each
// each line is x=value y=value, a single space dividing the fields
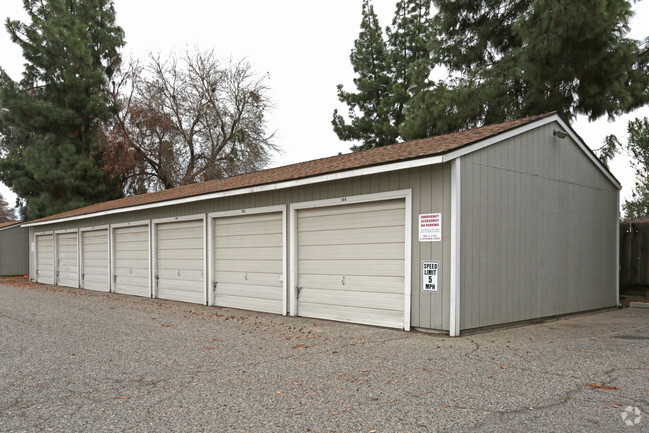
x=74 y=360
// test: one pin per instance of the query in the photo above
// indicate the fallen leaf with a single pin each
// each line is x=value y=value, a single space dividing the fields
x=598 y=386
x=208 y=347
x=279 y=393
x=123 y=398
x=167 y=325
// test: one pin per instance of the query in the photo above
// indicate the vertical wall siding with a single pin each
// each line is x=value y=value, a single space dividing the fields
x=14 y=254
x=430 y=193
x=538 y=231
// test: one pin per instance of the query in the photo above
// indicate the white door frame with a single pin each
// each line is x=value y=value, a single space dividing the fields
x=405 y=194
x=56 y=253
x=36 y=235
x=241 y=212
x=83 y=230
x=154 y=249
x=111 y=240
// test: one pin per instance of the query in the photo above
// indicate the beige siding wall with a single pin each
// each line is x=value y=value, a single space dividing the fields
x=430 y=193
x=14 y=251
x=538 y=231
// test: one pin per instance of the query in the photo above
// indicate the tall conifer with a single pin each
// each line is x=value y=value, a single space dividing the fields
x=50 y=120
x=369 y=121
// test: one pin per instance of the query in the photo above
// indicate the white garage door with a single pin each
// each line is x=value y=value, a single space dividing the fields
x=94 y=257
x=248 y=262
x=131 y=252
x=180 y=261
x=67 y=270
x=44 y=259
x=351 y=263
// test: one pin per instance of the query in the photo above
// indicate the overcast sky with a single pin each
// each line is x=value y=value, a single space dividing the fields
x=303 y=46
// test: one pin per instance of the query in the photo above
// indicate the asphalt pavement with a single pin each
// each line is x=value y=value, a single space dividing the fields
x=73 y=360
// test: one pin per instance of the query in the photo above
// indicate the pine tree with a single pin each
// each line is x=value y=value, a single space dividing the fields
x=518 y=58
x=411 y=41
x=638 y=148
x=50 y=120
x=390 y=72
x=368 y=119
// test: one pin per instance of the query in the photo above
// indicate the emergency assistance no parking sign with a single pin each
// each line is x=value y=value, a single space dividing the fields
x=430 y=227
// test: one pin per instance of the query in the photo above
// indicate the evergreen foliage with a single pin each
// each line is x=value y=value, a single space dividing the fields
x=49 y=121
x=517 y=58
x=638 y=147
x=370 y=122
x=505 y=59
x=390 y=71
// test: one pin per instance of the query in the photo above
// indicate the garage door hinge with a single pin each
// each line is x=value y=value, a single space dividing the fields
x=114 y=278
x=298 y=290
x=83 y=276
x=214 y=285
x=157 y=278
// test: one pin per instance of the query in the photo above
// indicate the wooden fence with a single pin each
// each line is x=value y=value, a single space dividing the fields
x=634 y=254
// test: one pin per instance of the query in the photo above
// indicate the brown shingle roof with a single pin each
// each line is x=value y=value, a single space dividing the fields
x=394 y=153
x=9 y=224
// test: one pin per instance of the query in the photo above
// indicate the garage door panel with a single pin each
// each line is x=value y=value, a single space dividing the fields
x=96 y=282
x=183 y=265
x=254 y=278
x=368 y=251
x=233 y=223
x=362 y=283
x=178 y=294
x=181 y=255
x=94 y=264
x=248 y=262
x=351 y=236
x=352 y=298
x=252 y=227
x=264 y=266
x=176 y=230
x=250 y=241
x=342 y=222
x=387 y=318
x=45 y=259
x=249 y=303
x=349 y=210
x=184 y=274
x=358 y=267
x=131 y=249
x=128 y=265
x=95 y=247
x=132 y=285
x=365 y=244
x=249 y=290
x=247 y=253
x=125 y=246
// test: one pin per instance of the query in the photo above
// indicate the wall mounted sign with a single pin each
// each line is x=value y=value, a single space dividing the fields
x=430 y=272
x=430 y=227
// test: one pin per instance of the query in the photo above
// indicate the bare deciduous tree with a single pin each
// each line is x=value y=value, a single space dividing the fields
x=187 y=119
x=6 y=213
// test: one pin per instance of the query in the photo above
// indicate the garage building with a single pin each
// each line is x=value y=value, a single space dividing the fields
x=493 y=225
x=14 y=249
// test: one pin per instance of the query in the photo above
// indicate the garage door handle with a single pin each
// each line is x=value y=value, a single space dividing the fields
x=342 y=280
